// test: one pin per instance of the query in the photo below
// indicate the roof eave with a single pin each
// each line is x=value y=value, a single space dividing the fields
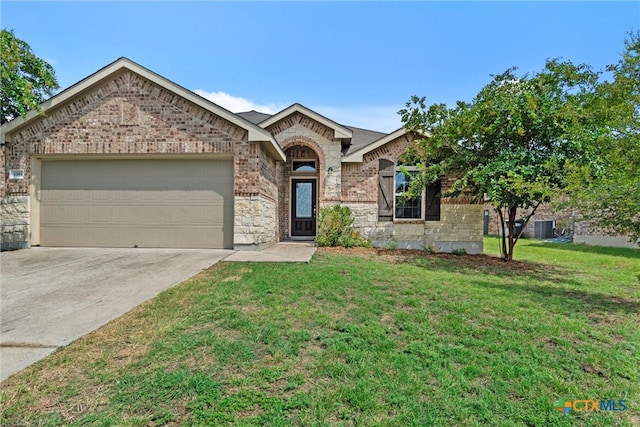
x=358 y=156
x=255 y=132
x=339 y=131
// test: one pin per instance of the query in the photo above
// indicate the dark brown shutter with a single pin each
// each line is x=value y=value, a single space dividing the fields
x=433 y=202
x=386 y=170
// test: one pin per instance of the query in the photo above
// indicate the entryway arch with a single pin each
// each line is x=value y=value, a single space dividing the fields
x=302 y=192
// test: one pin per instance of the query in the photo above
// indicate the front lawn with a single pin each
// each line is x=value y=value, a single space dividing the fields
x=360 y=338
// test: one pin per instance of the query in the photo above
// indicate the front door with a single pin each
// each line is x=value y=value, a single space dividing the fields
x=303 y=208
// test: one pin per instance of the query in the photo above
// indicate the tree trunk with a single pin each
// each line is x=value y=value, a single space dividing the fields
x=526 y=221
x=503 y=247
x=509 y=239
x=512 y=223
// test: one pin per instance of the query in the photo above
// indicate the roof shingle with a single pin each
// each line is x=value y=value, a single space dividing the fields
x=361 y=137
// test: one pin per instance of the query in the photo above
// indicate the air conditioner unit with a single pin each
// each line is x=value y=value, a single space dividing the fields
x=543 y=229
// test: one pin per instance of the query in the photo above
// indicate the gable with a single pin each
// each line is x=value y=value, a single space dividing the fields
x=299 y=124
x=400 y=135
x=126 y=109
x=298 y=114
x=93 y=88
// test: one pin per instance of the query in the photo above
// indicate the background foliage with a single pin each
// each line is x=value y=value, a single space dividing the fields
x=25 y=80
x=608 y=192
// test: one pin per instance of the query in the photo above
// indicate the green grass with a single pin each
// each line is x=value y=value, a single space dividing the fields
x=359 y=339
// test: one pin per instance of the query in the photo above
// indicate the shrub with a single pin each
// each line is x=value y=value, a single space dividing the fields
x=430 y=249
x=335 y=228
x=392 y=245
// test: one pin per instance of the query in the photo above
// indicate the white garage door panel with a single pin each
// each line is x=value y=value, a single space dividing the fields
x=144 y=203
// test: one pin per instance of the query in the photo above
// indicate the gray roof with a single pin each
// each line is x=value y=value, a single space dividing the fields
x=254 y=116
x=361 y=137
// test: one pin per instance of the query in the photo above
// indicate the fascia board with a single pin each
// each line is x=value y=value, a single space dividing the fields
x=255 y=133
x=339 y=131
x=357 y=156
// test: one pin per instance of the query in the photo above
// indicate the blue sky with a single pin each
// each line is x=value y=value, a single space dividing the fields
x=355 y=62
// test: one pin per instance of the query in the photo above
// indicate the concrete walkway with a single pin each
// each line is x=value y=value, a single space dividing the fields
x=280 y=252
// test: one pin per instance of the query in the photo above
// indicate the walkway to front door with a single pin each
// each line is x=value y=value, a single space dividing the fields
x=303 y=208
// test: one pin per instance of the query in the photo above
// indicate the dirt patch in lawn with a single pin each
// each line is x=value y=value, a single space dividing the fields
x=402 y=255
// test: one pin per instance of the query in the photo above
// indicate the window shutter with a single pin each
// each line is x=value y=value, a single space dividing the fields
x=433 y=202
x=386 y=170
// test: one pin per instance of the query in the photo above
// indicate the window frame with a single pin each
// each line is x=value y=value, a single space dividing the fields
x=304 y=171
x=409 y=168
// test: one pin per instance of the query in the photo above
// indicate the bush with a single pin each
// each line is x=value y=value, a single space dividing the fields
x=431 y=249
x=335 y=228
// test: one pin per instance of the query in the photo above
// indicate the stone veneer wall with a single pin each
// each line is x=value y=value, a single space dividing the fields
x=255 y=222
x=14 y=222
x=460 y=227
x=255 y=207
x=127 y=114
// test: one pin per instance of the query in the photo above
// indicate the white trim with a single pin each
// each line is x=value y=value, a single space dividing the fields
x=34 y=201
x=339 y=131
x=358 y=156
x=256 y=133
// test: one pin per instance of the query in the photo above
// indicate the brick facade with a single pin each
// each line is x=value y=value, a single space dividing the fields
x=360 y=180
x=460 y=225
x=128 y=115
x=131 y=113
x=165 y=124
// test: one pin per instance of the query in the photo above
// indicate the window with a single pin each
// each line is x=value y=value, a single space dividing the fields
x=406 y=208
x=392 y=183
x=304 y=166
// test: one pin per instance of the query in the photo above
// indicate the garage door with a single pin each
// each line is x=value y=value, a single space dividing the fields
x=143 y=203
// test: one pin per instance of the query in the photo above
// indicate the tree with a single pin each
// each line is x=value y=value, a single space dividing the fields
x=509 y=145
x=608 y=193
x=25 y=79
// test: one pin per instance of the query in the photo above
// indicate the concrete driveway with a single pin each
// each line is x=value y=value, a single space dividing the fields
x=52 y=296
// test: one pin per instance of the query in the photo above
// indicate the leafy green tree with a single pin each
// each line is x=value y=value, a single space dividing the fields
x=25 y=79
x=608 y=192
x=509 y=145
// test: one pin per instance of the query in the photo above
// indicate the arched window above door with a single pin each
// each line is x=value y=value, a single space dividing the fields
x=304 y=166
